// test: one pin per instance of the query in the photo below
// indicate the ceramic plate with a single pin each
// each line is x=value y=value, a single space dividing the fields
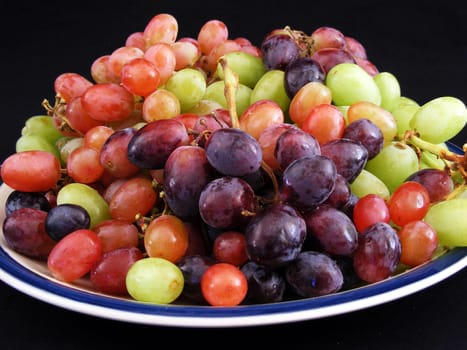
x=32 y=278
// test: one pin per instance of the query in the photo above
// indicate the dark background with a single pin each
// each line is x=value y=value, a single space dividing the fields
x=425 y=46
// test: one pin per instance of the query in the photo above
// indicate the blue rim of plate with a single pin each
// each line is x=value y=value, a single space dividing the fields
x=66 y=296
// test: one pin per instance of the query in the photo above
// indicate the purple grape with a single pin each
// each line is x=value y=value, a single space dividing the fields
x=378 y=253
x=192 y=268
x=438 y=182
x=114 y=154
x=152 y=144
x=186 y=172
x=301 y=71
x=278 y=50
x=349 y=156
x=341 y=194
x=367 y=133
x=265 y=285
x=66 y=218
x=308 y=181
x=24 y=232
x=295 y=143
x=314 y=274
x=233 y=152
x=227 y=203
x=275 y=235
x=333 y=229
x=19 y=199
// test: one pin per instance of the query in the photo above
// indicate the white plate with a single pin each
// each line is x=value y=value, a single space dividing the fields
x=32 y=278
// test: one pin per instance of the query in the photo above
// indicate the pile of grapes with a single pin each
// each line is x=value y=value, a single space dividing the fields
x=212 y=171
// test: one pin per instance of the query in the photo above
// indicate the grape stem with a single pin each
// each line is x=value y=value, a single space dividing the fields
x=230 y=91
x=458 y=161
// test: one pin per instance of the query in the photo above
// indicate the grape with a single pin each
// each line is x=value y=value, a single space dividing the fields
x=265 y=285
x=378 y=253
x=366 y=183
x=162 y=28
x=394 y=163
x=440 y=119
x=154 y=280
x=349 y=157
x=152 y=144
x=271 y=86
x=350 y=83
x=409 y=202
x=267 y=141
x=438 y=182
x=140 y=76
x=301 y=71
x=24 y=232
x=325 y=37
x=382 y=118
x=325 y=122
x=367 y=133
x=35 y=142
x=186 y=172
x=230 y=247
x=419 y=242
x=233 y=152
x=223 y=284
x=86 y=197
x=108 y=275
x=193 y=268
x=135 y=197
x=162 y=56
x=74 y=255
x=308 y=181
x=83 y=165
x=64 y=219
x=275 y=235
x=447 y=219
x=293 y=144
x=215 y=92
x=341 y=193
x=43 y=126
x=69 y=85
x=306 y=98
x=166 y=236
x=313 y=274
x=187 y=53
x=19 y=199
x=107 y=102
x=260 y=115
x=355 y=47
x=389 y=88
x=248 y=67
x=115 y=234
x=113 y=155
x=278 y=51
x=368 y=210
x=227 y=203
x=212 y=33
x=329 y=57
x=31 y=171
x=333 y=229
x=161 y=104
x=189 y=85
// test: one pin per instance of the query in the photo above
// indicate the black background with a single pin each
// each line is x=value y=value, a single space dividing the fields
x=425 y=46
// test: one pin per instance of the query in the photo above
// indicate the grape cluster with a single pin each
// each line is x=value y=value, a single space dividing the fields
x=209 y=170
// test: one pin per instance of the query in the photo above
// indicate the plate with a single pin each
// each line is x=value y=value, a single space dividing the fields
x=32 y=278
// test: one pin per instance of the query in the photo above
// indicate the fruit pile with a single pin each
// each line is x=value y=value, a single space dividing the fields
x=212 y=171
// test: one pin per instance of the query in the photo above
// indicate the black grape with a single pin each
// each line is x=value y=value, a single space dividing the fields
x=278 y=50
x=66 y=218
x=19 y=199
x=301 y=71
x=265 y=285
x=367 y=133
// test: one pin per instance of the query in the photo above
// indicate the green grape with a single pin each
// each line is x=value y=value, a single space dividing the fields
x=403 y=113
x=205 y=107
x=249 y=68
x=29 y=142
x=350 y=83
x=448 y=219
x=389 y=89
x=440 y=119
x=271 y=86
x=86 y=197
x=43 y=126
x=189 y=85
x=366 y=183
x=66 y=145
x=154 y=280
x=393 y=164
x=215 y=92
